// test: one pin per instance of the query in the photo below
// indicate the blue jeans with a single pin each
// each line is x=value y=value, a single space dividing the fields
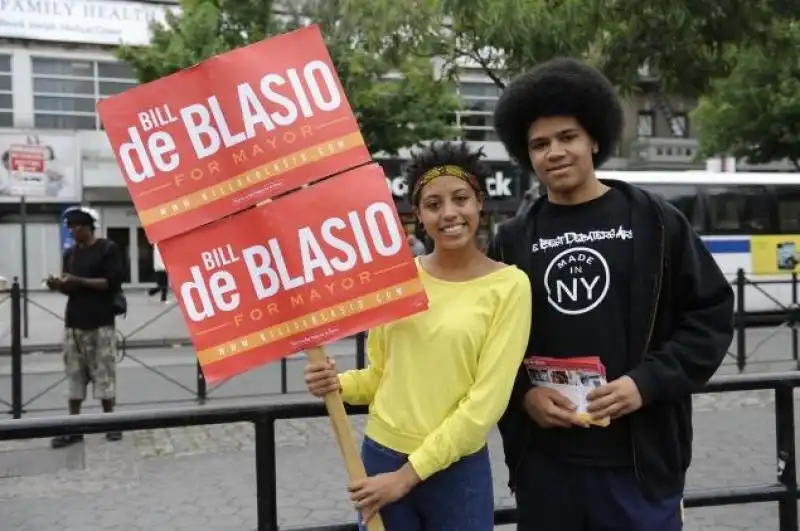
x=458 y=498
x=554 y=495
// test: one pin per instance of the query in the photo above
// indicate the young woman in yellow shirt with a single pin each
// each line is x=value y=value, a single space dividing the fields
x=438 y=381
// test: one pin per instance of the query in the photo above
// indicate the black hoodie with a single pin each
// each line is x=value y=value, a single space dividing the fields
x=676 y=345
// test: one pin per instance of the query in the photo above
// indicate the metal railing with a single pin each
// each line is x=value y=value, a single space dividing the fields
x=200 y=393
x=784 y=490
x=788 y=316
x=788 y=319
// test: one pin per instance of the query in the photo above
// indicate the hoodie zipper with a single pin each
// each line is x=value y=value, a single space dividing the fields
x=657 y=294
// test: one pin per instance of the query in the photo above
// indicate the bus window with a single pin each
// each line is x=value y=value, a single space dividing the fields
x=788 y=209
x=683 y=196
x=739 y=209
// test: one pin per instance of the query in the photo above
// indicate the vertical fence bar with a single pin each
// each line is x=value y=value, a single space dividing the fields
x=793 y=319
x=787 y=466
x=16 y=350
x=266 y=473
x=23 y=214
x=741 y=343
x=361 y=350
x=284 y=379
x=202 y=389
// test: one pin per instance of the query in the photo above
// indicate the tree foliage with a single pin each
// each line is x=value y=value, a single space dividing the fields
x=683 y=41
x=754 y=114
x=399 y=100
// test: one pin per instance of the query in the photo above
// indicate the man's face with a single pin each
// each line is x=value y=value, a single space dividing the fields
x=560 y=151
x=81 y=233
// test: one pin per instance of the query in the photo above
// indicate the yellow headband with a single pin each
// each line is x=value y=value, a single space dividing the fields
x=450 y=169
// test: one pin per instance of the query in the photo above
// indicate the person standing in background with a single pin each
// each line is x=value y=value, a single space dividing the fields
x=91 y=277
x=160 y=274
x=417 y=247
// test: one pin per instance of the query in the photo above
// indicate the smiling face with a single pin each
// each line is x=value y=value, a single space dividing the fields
x=449 y=209
x=561 y=151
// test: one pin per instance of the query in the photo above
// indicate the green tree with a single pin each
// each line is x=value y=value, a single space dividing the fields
x=684 y=43
x=393 y=111
x=754 y=114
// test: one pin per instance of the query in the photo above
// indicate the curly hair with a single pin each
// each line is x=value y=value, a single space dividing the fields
x=559 y=87
x=447 y=153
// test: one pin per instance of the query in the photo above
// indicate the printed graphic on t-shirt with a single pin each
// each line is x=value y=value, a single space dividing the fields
x=577 y=279
x=572 y=238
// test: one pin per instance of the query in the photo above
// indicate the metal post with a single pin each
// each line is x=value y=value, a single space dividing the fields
x=202 y=391
x=787 y=466
x=361 y=350
x=266 y=474
x=16 y=351
x=741 y=352
x=24 y=245
x=284 y=382
x=793 y=319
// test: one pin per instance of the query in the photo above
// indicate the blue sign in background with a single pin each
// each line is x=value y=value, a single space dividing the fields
x=67 y=240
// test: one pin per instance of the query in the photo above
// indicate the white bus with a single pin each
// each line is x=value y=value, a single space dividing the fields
x=749 y=221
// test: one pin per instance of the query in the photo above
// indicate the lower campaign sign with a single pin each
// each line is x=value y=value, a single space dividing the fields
x=311 y=267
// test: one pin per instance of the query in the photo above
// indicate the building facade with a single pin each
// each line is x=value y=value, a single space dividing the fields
x=57 y=60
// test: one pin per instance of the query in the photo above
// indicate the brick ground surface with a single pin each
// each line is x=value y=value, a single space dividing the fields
x=203 y=477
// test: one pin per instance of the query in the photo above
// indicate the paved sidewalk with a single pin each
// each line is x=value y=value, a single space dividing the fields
x=203 y=477
x=167 y=377
x=148 y=320
x=151 y=324
x=164 y=377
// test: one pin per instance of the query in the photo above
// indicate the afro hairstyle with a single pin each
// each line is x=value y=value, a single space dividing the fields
x=447 y=153
x=559 y=87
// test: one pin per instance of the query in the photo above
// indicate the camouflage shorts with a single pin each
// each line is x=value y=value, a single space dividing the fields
x=91 y=356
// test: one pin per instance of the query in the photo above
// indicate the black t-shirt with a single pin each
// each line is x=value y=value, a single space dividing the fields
x=89 y=308
x=581 y=274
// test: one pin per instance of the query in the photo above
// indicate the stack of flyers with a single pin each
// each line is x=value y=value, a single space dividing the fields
x=572 y=377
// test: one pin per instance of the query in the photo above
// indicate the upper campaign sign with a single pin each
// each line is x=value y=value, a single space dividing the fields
x=232 y=131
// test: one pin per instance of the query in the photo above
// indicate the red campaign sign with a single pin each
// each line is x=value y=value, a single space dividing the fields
x=312 y=267
x=232 y=131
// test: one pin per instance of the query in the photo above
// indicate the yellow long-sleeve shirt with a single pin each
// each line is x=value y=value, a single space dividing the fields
x=438 y=381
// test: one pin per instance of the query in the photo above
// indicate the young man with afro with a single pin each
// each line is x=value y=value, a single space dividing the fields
x=617 y=273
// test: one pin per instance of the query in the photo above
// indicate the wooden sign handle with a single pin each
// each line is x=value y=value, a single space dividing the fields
x=343 y=431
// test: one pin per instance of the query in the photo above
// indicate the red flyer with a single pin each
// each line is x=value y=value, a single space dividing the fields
x=572 y=377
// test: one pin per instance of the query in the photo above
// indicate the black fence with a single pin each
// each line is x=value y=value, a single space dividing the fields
x=787 y=318
x=788 y=315
x=784 y=490
x=199 y=392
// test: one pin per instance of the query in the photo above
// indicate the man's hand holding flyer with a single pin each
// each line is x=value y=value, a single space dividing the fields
x=573 y=378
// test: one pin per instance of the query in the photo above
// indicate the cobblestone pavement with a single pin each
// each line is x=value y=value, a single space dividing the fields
x=203 y=477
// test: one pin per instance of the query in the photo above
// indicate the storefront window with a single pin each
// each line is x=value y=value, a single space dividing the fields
x=475 y=120
x=66 y=91
x=6 y=98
